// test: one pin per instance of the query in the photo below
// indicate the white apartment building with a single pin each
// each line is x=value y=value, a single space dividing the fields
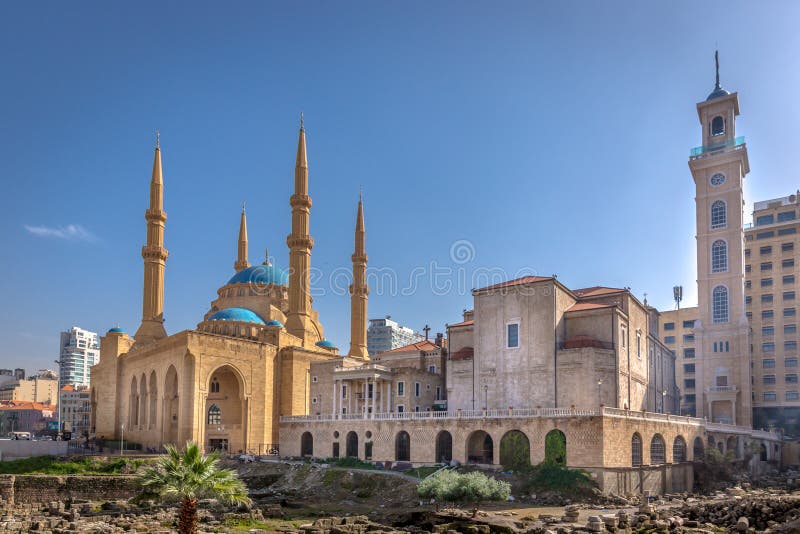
x=80 y=350
x=385 y=334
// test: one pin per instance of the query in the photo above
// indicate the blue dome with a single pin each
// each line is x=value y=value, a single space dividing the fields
x=325 y=343
x=116 y=330
x=242 y=315
x=275 y=323
x=261 y=274
x=717 y=93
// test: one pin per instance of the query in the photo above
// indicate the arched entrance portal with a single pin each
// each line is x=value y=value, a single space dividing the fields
x=170 y=405
x=555 y=448
x=515 y=450
x=402 y=447
x=444 y=447
x=351 y=446
x=307 y=444
x=698 y=451
x=225 y=411
x=480 y=448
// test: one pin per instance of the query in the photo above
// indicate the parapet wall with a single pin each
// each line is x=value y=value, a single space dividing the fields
x=29 y=489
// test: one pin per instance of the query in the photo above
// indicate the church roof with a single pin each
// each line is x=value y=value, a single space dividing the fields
x=261 y=274
x=582 y=306
x=596 y=291
x=463 y=323
x=242 y=315
x=418 y=346
x=516 y=282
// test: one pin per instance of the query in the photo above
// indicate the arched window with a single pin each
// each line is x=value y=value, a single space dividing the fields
x=719 y=256
x=719 y=304
x=717 y=125
x=214 y=415
x=658 y=450
x=678 y=450
x=214 y=385
x=719 y=215
x=636 y=450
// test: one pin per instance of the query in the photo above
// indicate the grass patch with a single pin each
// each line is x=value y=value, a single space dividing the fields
x=423 y=472
x=270 y=525
x=78 y=465
x=555 y=478
x=349 y=461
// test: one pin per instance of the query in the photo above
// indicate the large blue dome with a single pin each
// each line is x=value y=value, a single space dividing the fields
x=261 y=274
x=242 y=315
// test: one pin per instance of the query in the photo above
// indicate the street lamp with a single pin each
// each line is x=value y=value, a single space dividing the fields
x=122 y=440
x=664 y=401
x=599 y=393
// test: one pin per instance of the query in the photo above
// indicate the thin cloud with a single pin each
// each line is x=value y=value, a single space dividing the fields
x=71 y=232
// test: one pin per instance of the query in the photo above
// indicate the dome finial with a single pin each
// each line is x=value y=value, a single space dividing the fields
x=243 y=210
x=158 y=140
x=266 y=256
x=302 y=127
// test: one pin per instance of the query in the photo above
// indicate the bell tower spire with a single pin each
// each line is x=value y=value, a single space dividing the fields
x=241 y=260
x=155 y=257
x=300 y=243
x=359 y=290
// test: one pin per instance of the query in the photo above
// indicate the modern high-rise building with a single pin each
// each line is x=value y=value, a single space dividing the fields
x=385 y=334
x=80 y=350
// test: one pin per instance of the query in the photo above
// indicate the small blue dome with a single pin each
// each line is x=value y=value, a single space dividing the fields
x=326 y=344
x=116 y=330
x=261 y=274
x=717 y=93
x=275 y=323
x=242 y=315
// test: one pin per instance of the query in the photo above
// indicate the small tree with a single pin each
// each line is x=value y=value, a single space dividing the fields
x=439 y=487
x=188 y=476
x=473 y=488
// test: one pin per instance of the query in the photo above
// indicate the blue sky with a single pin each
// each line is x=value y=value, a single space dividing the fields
x=552 y=137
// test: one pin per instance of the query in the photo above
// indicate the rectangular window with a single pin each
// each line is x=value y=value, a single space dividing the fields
x=765 y=235
x=766 y=266
x=788 y=280
x=401 y=389
x=791 y=378
x=721 y=381
x=748 y=299
x=688 y=368
x=747 y=253
x=787 y=231
x=669 y=339
x=623 y=337
x=767 y=314
x=765 y=219
x=766 y=282
x=790 y=347
x=688 y=353
x=747 y=284
x=765 y=251
x=688 y=338
x=788 y=295
x=747 y=268
x=689 y=383
x=638 y=345
x=766 y=299
x=438 y=393
x=770 y=396
x=787 y=263
x=767 y=330
x=768 y=363
x=416 y=389
x=787 y=247
x=344 y=391
x=769 y=380
x=768 y=347
x=791 y=395
x=789 y=312
x=787 y=216
x=432 y=369
x=512 y=335
x=790 y=362
x=401 y=408
x=790 y=329
x=688 y=324
x=669 y=326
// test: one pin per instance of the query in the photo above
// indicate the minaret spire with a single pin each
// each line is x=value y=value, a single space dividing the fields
x=359 y=290
x=241 y=260
x=300 y=243
x=155 y=257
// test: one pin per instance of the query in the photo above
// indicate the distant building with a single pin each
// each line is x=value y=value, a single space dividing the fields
x=385 y=334
x=75 y=409
x=19 y=374
x=24 y=416
x=41 y=388
x=6 y=372
x=80 y=350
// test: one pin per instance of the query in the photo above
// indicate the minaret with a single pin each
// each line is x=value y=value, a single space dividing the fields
x=300 y=244
x=155 y=258
x=359 y=291
x=241 y=260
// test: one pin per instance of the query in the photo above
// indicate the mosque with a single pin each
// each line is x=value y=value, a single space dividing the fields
x=226 y=383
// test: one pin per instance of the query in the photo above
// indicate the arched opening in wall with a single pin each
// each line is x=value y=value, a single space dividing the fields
x=351 y=445
x=170 y=407
x=133 y=405
x=143 y=403
x=153 y=400
x=721 y=446
x=480 y=448
x=306 y=444
x=402 y=447
x=762 y=453
x=225 y=432
x=335 y=449
x=658 y=450
x=515 y=450
x=732 y=446
x=636 y=450
x=444 y=447
x=555 y=448
x=698 y=451
x=717 y=125
x=712 y=442
x=678 y=450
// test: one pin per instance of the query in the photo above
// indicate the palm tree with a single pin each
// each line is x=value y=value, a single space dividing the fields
x=190 y=475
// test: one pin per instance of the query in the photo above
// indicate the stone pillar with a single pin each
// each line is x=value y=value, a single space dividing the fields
x=333 y=409
x=374 y=396
x=390 y=387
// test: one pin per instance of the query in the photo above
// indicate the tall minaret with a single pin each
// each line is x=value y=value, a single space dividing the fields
x=722 y=342
x=300 y=244
x=241 y=260
x=359 y=291
x=155 y=258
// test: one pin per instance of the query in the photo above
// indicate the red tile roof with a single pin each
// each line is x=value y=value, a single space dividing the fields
x=463 y=323
x=465 y=353
x=26 y=405
x=516 y=282
x=418 y=346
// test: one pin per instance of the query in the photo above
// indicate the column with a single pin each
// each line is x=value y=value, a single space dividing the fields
x=364 y=397
x=733 y=410
x=333 y=412
x=374 y=396
x=350 y=395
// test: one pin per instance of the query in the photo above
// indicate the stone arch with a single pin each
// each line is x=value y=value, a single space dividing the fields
x=402 y=447
x=678 y=450
x=555 y=448
x=721 y=446
x=515 y=450
x=133 y=404
x=171 y=407
x=698 y=451
x=307 y=444
x=143 y=402
x=229 y=434
x=444 y=447
x=480 y=448
x=153 y=396
x=351 y=445
x=732 y=444
x=711 y=441
x=658 y=450
x=762 y=453
x=636 y=450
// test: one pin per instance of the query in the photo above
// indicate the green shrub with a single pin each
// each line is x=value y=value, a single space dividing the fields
x=547 y=477
x=473 y=488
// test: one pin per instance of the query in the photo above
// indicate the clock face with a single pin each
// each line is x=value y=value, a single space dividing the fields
x=718 y=179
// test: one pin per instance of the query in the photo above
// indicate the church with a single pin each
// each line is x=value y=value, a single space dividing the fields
x=226 y=383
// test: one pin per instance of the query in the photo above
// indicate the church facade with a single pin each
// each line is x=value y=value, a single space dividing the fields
x=225 y=383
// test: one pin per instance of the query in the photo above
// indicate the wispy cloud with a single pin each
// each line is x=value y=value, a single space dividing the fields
x=71 y=232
